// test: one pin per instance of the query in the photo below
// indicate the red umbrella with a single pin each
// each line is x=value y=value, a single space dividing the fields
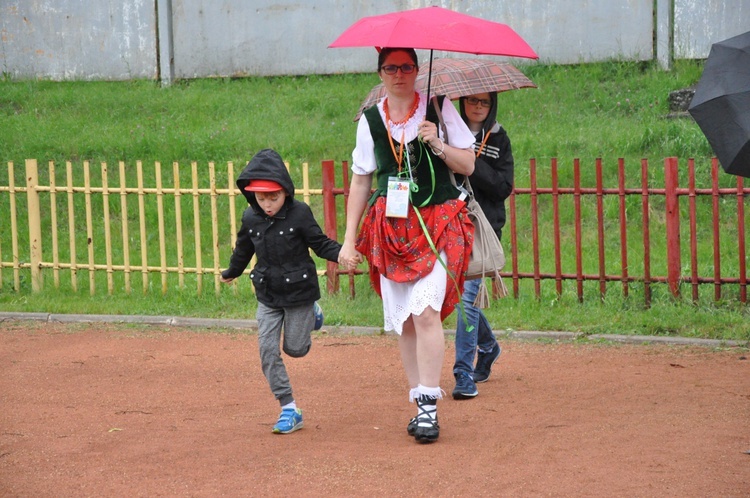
x=456 y=78
x=435 y=28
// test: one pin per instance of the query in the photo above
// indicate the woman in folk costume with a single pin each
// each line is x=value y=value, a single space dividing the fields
x=416 y=234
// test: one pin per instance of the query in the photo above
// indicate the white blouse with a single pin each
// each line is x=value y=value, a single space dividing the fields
x=363 y=156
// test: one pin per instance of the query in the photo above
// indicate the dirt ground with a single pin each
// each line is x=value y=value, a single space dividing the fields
x=114 y=410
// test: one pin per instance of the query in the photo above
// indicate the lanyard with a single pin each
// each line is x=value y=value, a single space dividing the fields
x=400 y=156
x=484 y=141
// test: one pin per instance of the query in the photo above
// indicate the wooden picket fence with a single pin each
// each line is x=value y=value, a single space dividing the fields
x=188 y=231
x=45 y=226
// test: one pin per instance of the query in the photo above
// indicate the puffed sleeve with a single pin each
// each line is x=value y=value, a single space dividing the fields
x=363 y=156
x=459 y=134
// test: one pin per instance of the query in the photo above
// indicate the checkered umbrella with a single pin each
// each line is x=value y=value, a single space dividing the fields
x=456 y=78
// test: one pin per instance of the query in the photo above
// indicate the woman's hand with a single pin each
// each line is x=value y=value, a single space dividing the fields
x=428 y=133
x=461 y=161
x=349 y=257
x=359 y=192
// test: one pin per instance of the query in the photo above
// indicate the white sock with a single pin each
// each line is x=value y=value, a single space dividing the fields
x=292 y=405
x=431 y=392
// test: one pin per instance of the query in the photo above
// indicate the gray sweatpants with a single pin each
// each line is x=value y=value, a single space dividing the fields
x=297 y=323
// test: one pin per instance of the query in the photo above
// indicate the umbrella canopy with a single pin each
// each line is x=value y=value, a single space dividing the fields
x=455 y=78
x=721 y=104
x=435 y=28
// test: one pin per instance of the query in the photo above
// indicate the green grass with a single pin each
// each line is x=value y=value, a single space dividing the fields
x=609 y=111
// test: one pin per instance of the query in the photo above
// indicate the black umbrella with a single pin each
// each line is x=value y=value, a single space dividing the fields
x=721 y=104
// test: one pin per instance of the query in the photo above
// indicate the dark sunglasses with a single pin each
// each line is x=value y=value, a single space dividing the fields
x=392 y=68
x=476 y=101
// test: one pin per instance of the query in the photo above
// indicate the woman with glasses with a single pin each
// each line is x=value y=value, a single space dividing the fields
x=415 y=235
x=492 y=183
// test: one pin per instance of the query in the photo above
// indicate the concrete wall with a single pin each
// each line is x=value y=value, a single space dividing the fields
x=266 y=37
x=75 y=39
x=699 y=23
x=108 y=39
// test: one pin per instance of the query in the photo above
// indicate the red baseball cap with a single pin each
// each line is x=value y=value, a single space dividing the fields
x=263 y=186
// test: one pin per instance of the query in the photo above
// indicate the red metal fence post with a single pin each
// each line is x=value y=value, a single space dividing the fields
x=646 y=233
x=672 y=206
x=741 y=238
x=535 y=228
x=556 y=227
x=514 y=243
x=715 y=200
x=693 y=230
x=579 y=229
x=329 y=216
x=600 y=227
x=623 y=226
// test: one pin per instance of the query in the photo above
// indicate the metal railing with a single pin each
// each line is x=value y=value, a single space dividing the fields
x=185 y=226
x=531 y=262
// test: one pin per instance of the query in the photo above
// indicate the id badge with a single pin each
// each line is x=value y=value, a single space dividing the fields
x=397 y=198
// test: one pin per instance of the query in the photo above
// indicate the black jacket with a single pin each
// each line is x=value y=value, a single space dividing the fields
x=492 y=180
x=285 y=273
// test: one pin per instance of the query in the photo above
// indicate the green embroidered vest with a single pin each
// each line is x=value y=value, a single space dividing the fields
x=429 y=190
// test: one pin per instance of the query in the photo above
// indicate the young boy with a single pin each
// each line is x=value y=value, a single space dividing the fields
x=280 y=230
x=492 y=182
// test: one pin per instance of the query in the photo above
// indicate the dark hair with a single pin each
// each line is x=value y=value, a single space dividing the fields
x=385 y=52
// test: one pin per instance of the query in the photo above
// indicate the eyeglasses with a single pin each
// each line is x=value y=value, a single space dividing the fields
x=392 y=68
x=476 y=101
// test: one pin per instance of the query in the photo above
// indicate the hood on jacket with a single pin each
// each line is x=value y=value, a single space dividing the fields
x=265 y=165
x=490 y=121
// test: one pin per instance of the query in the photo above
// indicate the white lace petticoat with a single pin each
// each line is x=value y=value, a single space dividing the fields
x=400 y=300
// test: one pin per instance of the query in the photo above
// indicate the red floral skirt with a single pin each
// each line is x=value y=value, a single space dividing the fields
x=398 y=249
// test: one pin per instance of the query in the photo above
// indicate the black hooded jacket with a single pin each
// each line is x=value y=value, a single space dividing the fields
x=492 y=180
x=285 y=273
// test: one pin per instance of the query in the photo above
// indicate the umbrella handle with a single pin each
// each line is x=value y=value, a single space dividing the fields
x=429 y=77
x=439 y=113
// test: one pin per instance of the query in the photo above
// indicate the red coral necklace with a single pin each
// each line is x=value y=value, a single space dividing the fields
x=399 y=157
x=408 y=116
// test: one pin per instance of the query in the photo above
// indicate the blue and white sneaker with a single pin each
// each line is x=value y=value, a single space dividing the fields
x=465 y=386
x=290 y=420
x=318 y=311
x=483 y=369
